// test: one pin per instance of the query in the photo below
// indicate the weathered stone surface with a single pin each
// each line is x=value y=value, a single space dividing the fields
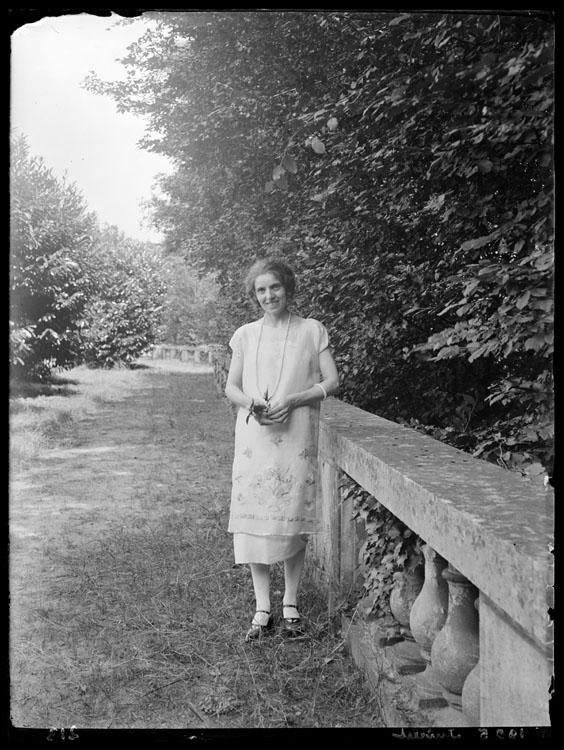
x=515 y=672
x=455 y=650
x=427 y=617
x=395 y=695
x=493 y=525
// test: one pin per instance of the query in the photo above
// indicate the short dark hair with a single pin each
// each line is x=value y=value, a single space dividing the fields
x=281 y=270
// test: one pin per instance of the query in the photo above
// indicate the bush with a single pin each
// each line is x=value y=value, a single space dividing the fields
x=122 y=317
x=48 y=225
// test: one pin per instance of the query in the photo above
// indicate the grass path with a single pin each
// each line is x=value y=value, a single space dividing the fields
x=126 y=608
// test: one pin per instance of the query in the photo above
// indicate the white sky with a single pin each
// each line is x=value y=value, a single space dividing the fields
x=75 y=131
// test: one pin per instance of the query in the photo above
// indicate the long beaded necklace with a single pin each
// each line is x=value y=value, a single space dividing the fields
x=267 y=395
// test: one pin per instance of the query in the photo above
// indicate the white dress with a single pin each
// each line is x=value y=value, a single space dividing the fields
x=274 y=492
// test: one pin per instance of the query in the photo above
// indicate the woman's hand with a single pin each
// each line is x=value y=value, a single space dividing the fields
x=279 y=410
x=259 y=411
x=264 y=419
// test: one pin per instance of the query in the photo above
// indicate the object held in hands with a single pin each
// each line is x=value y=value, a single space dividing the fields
x=256 y=410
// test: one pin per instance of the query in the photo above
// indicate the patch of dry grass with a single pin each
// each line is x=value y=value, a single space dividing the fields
x=146 y=630
x=143 y=626
x=40 y=411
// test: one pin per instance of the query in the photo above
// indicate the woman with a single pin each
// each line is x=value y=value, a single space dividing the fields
x=281 y=369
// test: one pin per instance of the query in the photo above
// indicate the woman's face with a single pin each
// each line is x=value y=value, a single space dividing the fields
x=271 y=295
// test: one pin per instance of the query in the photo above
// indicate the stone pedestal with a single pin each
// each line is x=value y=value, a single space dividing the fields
x=404 y=594
x=471 y=698
x=427 y=617
x=471 y=692
x=455 y=650
x=407 y=654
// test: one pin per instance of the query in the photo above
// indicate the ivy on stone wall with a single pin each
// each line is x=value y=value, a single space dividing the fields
x=389 y=548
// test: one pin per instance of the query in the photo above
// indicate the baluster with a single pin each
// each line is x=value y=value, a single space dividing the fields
x=428 y=615
x=471 y=691
x=402 y=597
x=455 y=650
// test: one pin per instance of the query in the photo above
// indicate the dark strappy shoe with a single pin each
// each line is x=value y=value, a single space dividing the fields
x=292 y=626
x=257 y=630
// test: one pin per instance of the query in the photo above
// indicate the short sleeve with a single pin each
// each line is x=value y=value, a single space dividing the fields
x=321 y=336
x=236 y=344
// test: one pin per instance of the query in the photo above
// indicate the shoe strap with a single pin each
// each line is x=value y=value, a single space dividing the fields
x=256 y=623
x=291 y=606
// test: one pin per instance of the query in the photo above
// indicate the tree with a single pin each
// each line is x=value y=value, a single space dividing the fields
x=126 y=288
x=48 y=228
x=194 y=309
x=458 y=140
x=78 y=293
x=395 y=160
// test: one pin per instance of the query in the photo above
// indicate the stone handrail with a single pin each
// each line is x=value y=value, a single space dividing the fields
x=480 y=614
x=493 y=526
x=199 y=353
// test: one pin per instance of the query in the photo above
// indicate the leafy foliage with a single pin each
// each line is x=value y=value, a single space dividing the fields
x=194 y=308
x=49 y=223
x=402 y=162
x=506 y=314
x=389 y=548
x=78 y=293
x=126 y=294
x=389 y=157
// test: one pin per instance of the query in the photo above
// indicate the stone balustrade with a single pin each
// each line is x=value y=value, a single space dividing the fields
x=221 y=362
x=201 y=353
x=476 y=625
x=427 y=617
x=493 y=528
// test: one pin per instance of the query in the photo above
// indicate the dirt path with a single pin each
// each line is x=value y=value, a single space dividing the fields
x=162 y=451
x=126 y=608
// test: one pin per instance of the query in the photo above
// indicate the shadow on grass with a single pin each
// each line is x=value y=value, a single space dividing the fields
x=55 y=385
x=138 y=366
